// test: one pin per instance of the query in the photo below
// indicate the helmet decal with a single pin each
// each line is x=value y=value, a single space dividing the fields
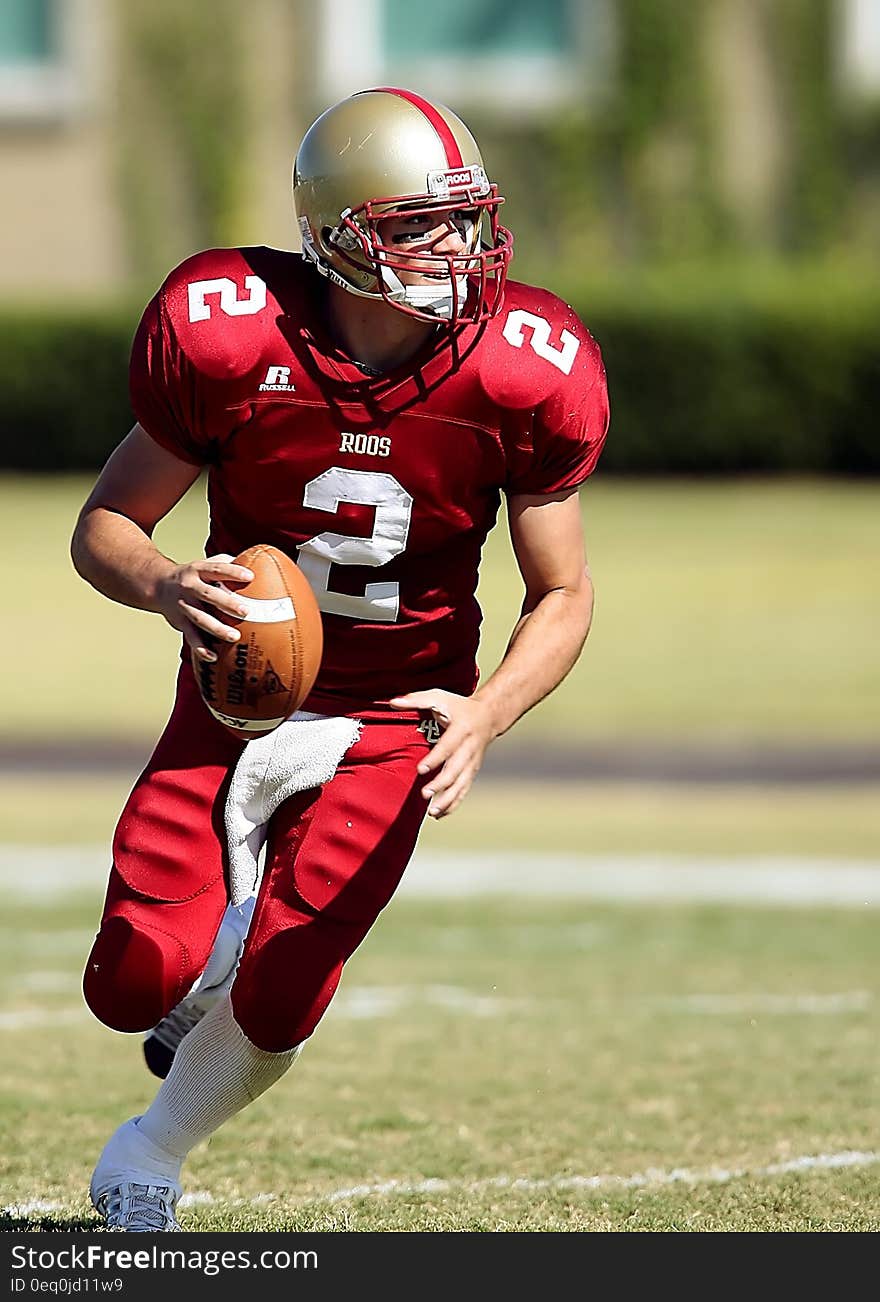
x=464 y=180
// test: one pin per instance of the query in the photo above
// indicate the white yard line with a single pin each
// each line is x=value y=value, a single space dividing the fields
x=361 y=1003
x=651 y=1178
x=370 y=1003
x=639 y=1180
x=663 y=878
x=44 y=980
x=39 y=1207
x=44 y=874
x=21 y=1019
x=367 y=1002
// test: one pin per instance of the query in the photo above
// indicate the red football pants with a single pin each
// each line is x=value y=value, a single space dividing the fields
x=334 y=856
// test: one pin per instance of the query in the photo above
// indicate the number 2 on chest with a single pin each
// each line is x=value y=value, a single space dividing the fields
x=380 y=601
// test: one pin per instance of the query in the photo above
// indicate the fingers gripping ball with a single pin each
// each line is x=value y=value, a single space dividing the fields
x=257 y=682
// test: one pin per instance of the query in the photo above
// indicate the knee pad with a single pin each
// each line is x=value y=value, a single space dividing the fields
x=283 y=990
x=134 y=975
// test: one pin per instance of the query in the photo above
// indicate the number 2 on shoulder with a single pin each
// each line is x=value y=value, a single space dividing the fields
x=561 y=355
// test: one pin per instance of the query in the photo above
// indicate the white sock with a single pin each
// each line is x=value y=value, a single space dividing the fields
x=224 y=956
x=216 y=1072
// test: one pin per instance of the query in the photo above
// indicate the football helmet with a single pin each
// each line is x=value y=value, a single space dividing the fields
x=386 y=154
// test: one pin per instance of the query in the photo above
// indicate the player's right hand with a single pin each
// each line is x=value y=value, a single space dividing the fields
x=190 y=596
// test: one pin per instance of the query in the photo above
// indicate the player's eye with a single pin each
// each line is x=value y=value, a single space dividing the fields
x=417 y=229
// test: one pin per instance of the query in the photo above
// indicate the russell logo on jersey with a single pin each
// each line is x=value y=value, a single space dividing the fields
x=277 y=380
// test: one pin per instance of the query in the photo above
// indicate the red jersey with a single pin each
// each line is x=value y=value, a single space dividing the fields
x=382 y=488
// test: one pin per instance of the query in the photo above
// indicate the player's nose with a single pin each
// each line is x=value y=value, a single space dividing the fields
x=450 y=242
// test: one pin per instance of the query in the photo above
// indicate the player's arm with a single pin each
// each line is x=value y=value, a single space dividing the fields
x=548 y=543
x=557 y=610
x=113 y=550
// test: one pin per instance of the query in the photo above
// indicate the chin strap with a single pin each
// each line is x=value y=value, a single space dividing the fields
x=436 y=297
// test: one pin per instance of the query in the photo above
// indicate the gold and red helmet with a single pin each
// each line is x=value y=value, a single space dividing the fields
x=390 y=153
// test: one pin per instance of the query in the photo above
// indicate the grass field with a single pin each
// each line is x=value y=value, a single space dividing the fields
x=561 y=1065
x=495 y=1062
x=724 y=611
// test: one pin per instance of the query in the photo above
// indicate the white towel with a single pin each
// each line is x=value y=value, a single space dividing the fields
x=301 y=753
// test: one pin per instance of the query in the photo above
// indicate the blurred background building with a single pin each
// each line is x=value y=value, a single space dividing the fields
x=135 y=131
x=701 y=180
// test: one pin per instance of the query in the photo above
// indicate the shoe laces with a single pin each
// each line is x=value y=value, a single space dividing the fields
x=144 y=1207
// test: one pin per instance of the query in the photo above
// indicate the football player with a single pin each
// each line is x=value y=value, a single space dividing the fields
x=362 y=406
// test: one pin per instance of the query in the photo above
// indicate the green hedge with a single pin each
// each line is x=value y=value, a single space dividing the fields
x=735 y=386
x=63 y=389
x=702 y=380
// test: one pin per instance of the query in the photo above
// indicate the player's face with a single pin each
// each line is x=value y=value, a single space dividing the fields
x=427 y=232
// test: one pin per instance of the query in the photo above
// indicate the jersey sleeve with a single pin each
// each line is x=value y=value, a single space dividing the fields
x=569 y=427
x=164 y=387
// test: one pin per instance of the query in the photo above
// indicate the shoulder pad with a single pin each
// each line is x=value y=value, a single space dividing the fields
x=535 y=347
x=219 y=308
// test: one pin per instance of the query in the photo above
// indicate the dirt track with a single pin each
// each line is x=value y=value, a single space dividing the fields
x=522 y=758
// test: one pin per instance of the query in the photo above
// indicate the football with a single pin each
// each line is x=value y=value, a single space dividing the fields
x=257 y=682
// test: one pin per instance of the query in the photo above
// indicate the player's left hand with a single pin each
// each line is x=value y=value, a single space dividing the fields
x=455 y=759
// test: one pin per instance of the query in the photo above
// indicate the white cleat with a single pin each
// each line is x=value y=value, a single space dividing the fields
x=138 y=1208
x=135 y=1185
x=160 y=1043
